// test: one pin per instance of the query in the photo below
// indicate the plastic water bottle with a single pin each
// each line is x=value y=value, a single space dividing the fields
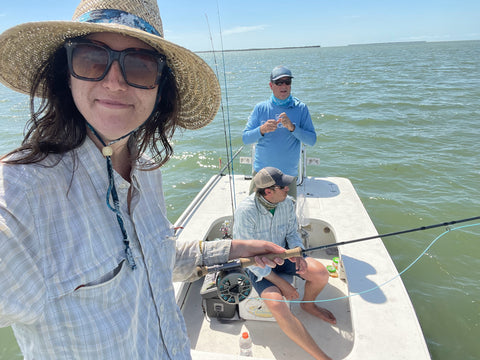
x=245 y=343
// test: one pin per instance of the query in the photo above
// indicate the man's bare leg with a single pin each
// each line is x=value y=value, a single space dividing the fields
x=316 y=278
x=290 y=325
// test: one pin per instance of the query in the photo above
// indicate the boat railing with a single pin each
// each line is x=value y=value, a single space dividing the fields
x=302 y=163
x=302 y=174
x=206 y=189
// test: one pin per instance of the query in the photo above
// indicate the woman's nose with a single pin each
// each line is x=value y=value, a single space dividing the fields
x=114 y=79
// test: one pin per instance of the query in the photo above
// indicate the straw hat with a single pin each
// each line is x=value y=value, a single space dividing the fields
x=24 y=47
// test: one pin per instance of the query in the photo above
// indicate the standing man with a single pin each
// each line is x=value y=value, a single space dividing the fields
x=278 y=126
x=269 y=214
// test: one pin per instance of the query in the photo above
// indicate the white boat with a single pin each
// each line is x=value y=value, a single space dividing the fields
x=375 y=317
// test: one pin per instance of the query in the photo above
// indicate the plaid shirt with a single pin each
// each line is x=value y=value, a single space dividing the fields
x=254 y=221
x=65 y=286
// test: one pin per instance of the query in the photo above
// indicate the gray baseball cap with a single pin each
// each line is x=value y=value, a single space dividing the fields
x=279 y=72
x=270 y=176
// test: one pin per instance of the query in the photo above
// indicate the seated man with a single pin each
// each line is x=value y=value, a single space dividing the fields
x=269 y=214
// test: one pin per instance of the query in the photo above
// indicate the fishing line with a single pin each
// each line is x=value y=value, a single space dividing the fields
x=448 y=230
x=228 y=111
x=428 y=227
x=225 y=85
x=229 y=153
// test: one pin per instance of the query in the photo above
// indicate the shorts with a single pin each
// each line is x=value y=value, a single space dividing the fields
x=286 y=271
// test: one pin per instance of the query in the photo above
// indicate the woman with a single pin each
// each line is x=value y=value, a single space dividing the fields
x=87 y=253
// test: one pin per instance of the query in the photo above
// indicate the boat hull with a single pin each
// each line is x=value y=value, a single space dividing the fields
x=374 y=321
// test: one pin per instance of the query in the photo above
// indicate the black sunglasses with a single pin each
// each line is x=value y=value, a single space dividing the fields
x=283 y=81
x=91 y=60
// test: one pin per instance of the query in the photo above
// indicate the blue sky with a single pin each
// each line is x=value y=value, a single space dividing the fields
x=258 y=24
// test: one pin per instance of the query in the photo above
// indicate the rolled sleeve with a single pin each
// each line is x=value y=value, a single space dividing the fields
x=191 y=254
x=216 y=252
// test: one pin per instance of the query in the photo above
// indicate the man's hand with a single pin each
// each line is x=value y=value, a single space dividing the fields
x=285 y=120
x=300 y=264
x=268 y=126
x=248 y=248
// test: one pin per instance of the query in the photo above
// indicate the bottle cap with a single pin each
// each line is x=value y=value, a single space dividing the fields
x=335 y=260
x=245 y=335
x=331 y=268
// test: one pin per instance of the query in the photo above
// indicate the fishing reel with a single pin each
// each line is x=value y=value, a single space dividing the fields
x=233 y=285
x=232 y=282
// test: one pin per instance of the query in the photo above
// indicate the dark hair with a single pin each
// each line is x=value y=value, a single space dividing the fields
x=56 y=126
x=262 y=191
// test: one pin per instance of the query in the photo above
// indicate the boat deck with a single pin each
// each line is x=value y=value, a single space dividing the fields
x=269 y=341
x=376 y=324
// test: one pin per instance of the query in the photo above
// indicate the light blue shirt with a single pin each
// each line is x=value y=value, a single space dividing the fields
x=280 y=148
x=254 y=221
x=64 y=284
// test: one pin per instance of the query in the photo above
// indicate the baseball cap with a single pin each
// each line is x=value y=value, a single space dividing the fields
x=270 y=176
x=279 y=72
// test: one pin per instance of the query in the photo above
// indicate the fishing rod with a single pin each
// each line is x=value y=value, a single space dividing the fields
x=234 y=285
x=229 y=154
x=221 y=172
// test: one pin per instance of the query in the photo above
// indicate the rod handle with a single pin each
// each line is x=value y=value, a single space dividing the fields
x=295 y=252
x=244 y=262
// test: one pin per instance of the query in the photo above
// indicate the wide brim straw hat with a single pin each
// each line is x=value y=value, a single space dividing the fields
x=25 y=47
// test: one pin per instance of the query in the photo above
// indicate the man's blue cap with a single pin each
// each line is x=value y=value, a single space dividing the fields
x=279 y=72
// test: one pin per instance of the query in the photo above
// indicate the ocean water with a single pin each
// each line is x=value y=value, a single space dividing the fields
x=401 y=121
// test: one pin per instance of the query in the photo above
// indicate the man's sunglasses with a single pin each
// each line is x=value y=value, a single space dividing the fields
x=283 y=81
x=90 y=60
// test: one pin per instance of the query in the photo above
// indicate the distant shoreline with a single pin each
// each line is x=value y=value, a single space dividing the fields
x=318 y=46
x=259 y=49
x=391 y=43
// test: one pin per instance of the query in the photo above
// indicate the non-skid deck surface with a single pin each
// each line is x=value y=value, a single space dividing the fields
x=383 y=320
x=269 y=341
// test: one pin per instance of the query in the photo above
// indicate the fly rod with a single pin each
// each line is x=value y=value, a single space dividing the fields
x=296 y=252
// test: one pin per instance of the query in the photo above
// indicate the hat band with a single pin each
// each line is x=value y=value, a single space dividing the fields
x=113 y=16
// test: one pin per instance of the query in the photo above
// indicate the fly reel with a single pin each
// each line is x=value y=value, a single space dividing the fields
x=233 y=286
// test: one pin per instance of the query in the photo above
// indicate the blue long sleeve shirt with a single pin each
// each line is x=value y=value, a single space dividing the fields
x=280 y=148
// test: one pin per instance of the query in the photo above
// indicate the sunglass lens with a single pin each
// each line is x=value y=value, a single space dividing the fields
x=89 y=61
x=141 y=69
x=285 y=81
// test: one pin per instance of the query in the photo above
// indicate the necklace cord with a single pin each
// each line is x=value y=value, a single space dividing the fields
x=112 y=192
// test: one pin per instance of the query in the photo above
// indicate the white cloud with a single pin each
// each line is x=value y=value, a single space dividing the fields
x=244 y=29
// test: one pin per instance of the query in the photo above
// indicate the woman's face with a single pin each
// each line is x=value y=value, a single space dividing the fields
x=110 y=105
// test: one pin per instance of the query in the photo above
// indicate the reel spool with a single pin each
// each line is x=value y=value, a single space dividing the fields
x=233 y=285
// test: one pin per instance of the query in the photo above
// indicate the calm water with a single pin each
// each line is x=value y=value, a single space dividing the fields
x=401 y=121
